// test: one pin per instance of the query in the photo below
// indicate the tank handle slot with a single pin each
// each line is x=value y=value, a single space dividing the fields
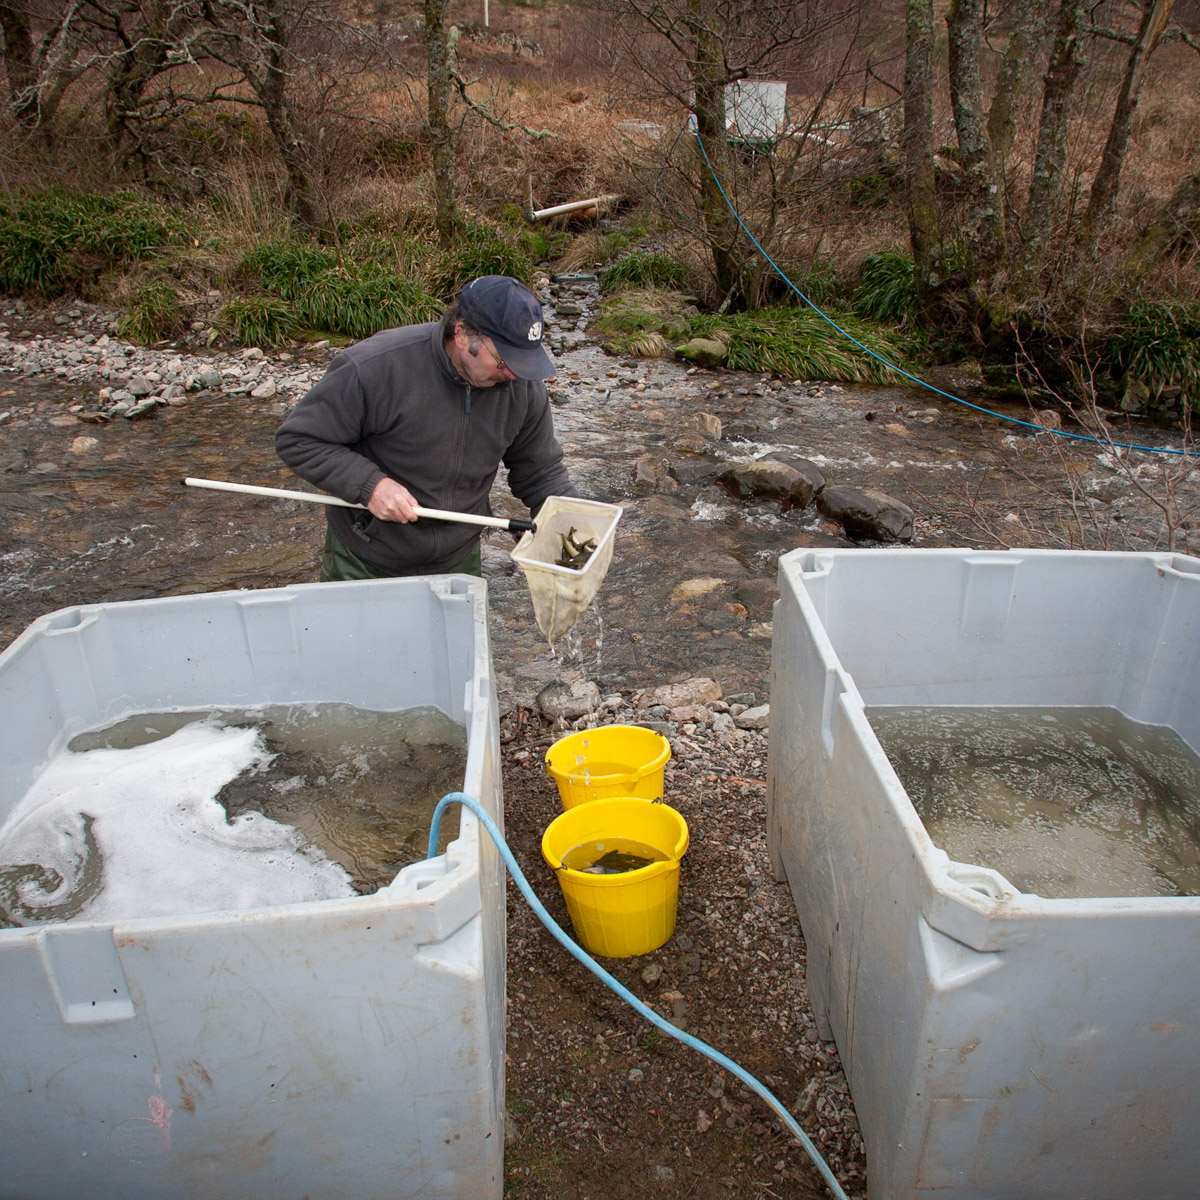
x=85 y=974
x=989 y=883
x=66 y=620
x=1180 y=564
x=834 y=688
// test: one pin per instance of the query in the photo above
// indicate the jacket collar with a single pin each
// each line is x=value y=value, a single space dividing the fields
x=440 y=356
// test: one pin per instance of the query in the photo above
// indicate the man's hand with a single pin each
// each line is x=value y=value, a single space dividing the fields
x=392 y=501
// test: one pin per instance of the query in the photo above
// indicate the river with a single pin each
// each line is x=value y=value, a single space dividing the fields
x=692 y=581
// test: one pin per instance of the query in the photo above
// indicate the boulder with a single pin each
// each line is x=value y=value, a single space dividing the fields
x=866 y=514
x=704 y=352
x=758 y=717
x=694 y=472
x=697 y=690
x=768 y=479
x=805 y=466
x=568 y=700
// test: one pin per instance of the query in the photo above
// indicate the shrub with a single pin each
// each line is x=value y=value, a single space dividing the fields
x=886 y=291
x=153 y=313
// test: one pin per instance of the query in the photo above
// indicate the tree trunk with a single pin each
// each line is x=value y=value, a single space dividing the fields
x=261 y=49
x=1058 y=86
x=1027 y=23
x=985 y=218
x=272 y=92
x=441 y=137
x=18 y=62
x=709 y=78
x=1103 y=197
x=917 y=148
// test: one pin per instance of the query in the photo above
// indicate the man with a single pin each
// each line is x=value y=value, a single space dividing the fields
x=424 y=415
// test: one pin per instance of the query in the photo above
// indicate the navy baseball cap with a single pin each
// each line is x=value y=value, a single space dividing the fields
x=510 y=314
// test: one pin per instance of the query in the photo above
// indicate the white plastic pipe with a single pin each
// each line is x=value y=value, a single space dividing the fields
x=515 y=525
x=574 y=206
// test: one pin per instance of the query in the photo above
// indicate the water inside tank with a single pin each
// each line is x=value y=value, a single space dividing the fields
x=1065 y=802
x=164 y=814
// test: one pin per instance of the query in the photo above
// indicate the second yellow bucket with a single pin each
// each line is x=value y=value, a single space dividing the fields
x=611 y=761
x=629 y=912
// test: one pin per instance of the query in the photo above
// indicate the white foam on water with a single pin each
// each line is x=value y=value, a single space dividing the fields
x=167 y=846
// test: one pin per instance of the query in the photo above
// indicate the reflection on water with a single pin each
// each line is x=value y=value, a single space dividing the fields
x=1062 y=802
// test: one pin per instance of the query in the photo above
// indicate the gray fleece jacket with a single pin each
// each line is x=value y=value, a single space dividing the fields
x=393 y=405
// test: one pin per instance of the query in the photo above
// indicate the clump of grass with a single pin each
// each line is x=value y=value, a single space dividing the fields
x=798 y=344
x=153 y=313
x=355 y=296
x=644 y=322
x=574 y=252
x=817 y=279
x=57 y=241
x=259 y=320
x=1157 y=347
x=644 y=268
x=479 y=249
x=886 y=291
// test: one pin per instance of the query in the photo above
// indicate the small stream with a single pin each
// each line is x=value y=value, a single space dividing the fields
x=693 y=577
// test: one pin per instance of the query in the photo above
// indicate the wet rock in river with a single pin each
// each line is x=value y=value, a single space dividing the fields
x=768 y=479
x=143 y=408
x=693 y=589
x=696 y=472
x=805 y=466
x=866 y=514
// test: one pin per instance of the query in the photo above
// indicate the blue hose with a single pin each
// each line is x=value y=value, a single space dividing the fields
x=621 y=990
x=891 y=366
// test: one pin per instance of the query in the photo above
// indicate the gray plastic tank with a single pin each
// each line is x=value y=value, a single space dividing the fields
x=998 y=1045
x=340 y=1048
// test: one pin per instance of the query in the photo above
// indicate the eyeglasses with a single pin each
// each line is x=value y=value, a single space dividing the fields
x=490 y=346
x=499 y=361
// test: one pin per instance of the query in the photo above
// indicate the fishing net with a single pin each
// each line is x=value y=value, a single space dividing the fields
x=565 y=529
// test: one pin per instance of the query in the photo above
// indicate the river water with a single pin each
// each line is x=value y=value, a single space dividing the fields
x=692 y=581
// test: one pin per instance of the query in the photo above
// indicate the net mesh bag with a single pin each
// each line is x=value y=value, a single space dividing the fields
x=561 y=594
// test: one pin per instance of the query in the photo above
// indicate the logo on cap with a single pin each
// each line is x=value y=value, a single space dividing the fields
x=535 y=331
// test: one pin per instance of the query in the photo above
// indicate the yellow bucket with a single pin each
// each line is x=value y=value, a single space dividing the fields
x=633 y=912
x=613 y=760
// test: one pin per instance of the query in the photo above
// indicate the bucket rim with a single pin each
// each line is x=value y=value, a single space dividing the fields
x=576 y=812
x=659 y=760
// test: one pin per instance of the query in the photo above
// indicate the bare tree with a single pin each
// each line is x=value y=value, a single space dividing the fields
x=255 y=38
x=41 y=62
x=1103 y=198
x=690 y=52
